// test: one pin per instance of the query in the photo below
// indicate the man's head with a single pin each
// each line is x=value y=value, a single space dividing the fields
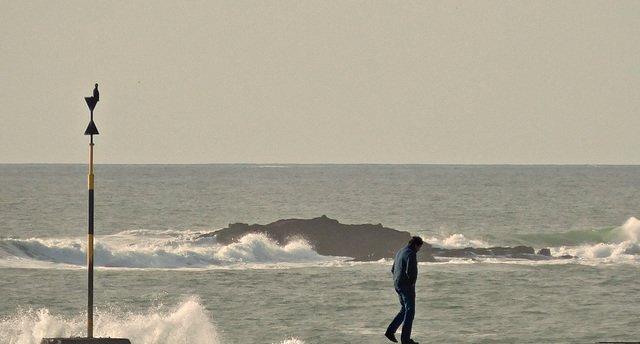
x=416 y=242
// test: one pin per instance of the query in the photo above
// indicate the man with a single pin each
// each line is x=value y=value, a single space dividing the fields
x=405 y=274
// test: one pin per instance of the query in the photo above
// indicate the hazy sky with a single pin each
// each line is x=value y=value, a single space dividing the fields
x=469 y=82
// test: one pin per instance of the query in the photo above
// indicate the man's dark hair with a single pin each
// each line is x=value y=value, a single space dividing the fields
x=416 y=241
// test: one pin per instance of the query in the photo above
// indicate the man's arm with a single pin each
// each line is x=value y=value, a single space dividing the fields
x=412 y=268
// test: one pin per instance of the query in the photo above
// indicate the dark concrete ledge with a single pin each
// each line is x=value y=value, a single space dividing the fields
x=85 y=341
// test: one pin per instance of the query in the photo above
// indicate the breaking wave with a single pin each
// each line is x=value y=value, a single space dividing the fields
x=179 y=249
x=621 y=243
x=189 y=322
x=456 y=241
x=609 y=243
x=148 y=249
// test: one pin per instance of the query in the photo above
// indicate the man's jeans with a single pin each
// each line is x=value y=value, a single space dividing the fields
x=407 y=312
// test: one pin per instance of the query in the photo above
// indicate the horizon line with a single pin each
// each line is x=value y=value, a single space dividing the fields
x=324 y=163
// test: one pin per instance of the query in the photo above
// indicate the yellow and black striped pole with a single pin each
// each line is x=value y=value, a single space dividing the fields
x=91 y=130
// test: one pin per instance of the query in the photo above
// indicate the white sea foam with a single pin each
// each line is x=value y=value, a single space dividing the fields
x=455 y=241
x=622 y=243
x=628 y=232
x=188 y=323
x=292 y=341
x=42 y=252
x=254 y=248
x=607 y=244
x=167 y=250
x=172 y=249
x=624 y=251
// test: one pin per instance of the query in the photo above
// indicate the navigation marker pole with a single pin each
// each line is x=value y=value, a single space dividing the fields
x=91 y=130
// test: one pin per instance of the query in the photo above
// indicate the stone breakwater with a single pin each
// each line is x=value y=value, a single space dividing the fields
x=363 y=242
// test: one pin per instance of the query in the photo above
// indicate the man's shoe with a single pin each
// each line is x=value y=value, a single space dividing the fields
x=410 y=342
x=391 y=336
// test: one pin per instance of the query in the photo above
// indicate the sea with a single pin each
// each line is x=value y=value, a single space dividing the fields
x=158 y=281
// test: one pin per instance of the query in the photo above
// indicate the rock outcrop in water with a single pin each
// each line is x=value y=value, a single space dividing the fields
x=328 y=237
x=364 y=242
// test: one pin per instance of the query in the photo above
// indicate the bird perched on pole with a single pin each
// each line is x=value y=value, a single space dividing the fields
x=96 y=94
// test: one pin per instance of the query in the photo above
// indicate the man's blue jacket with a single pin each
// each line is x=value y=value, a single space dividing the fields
x=405 y=267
